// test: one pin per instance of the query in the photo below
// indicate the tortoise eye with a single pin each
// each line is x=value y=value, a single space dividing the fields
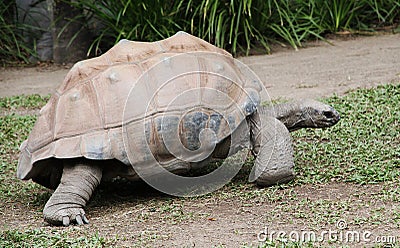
x=328 y=114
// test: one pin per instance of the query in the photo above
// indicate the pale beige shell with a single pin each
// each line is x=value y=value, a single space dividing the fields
x=85 y=117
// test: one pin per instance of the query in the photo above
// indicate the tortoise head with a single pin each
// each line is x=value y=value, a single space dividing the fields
x=316 y=114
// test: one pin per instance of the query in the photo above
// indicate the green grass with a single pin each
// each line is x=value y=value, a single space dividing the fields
x=13 y=130
x=41 y=238
x=362 y=148
x=22 y=101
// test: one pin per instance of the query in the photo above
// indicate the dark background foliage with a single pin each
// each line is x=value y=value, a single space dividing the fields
x=237 y=26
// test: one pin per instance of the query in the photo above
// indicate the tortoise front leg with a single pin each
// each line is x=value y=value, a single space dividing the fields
x=272 y=147
x=78 y=181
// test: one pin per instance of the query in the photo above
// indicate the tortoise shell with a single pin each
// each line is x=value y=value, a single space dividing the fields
x=140 y=100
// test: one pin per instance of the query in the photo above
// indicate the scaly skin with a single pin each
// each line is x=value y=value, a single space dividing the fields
x=272 y=143
x=305 y=113
x=78 y=181
x=272 y=148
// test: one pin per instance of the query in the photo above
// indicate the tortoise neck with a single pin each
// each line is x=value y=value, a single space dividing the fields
x=290 y=114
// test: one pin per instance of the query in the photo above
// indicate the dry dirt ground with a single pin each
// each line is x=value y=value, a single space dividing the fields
x=158 y=220
x=319 y=70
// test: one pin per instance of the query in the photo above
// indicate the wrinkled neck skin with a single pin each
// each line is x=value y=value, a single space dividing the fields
x=291 y=114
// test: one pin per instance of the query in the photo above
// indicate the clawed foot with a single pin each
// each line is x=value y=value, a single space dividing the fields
x=66 y=216
x=78 y=181
x=272 y=179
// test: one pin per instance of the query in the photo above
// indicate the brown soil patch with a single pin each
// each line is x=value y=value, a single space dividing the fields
x=156 y=220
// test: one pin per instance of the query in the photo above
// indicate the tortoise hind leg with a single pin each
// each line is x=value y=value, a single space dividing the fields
x=272 y=147
x=78 y=181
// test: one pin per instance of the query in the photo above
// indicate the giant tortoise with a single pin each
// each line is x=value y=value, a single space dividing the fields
x=144 y=108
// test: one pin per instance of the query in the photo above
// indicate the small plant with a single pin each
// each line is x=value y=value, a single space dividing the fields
x=340 y=14
x=234 y=25
x=237 y=26
x=12 y=47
